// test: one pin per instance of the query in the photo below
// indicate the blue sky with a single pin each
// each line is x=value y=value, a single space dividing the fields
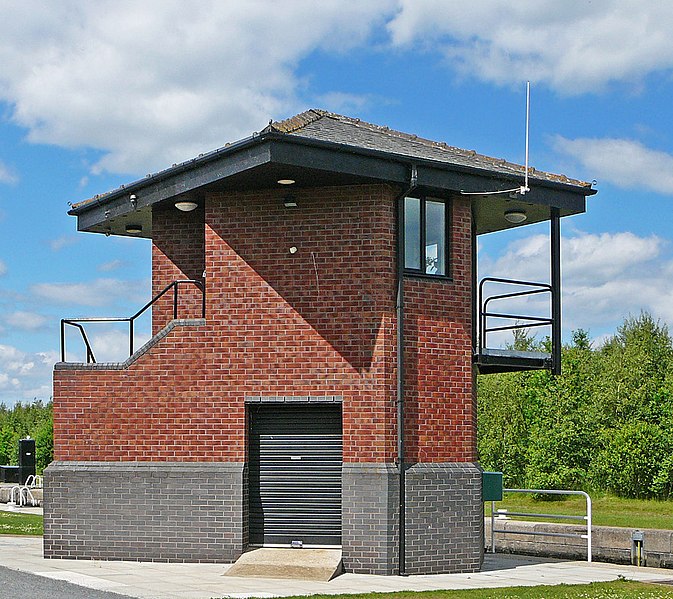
x=96 y=94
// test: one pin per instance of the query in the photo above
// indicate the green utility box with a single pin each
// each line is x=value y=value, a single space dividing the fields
x=491 y=486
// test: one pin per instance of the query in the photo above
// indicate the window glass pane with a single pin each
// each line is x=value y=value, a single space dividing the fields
x=435 y=243
x=412 y=233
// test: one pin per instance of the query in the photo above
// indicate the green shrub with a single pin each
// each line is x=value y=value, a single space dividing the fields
x=631 y=459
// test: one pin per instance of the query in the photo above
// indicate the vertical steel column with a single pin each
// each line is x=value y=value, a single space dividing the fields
x=475 y=297
x=555 y=237
x=62 y=340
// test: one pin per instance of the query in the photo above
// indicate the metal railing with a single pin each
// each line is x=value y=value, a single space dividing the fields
x=19 y=496
x=77 y=322
x=521 y=321
x=586 y=518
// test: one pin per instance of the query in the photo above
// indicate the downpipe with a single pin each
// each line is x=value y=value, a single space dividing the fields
x=400 y=365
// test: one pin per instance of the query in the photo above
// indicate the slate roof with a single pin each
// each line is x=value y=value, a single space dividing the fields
x=321 y=126
x=330 y=127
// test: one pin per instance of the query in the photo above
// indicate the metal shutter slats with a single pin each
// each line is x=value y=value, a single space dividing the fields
x=295 y=474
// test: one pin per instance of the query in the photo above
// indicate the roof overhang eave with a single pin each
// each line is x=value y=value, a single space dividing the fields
x=329 y=157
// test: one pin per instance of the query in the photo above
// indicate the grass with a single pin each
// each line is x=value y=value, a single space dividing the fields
x=606 y=510
x=599 y=590
x=20 y=524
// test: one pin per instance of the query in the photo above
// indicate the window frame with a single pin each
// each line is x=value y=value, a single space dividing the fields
x=448 y=210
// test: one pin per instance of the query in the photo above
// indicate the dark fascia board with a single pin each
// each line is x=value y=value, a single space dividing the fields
x=460 y=177
x=327 y=157
x=171 y=183
x=435 y=177
x=294 y=150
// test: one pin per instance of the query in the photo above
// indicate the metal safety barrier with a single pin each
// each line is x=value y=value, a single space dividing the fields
x=586 y=518
x=77 y=322
x=19 y=497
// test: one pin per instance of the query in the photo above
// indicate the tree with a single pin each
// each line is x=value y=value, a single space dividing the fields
x=22 y=420
x=605 y=424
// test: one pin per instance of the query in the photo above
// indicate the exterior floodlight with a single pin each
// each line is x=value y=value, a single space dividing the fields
x=515 y=217
x=186 y=205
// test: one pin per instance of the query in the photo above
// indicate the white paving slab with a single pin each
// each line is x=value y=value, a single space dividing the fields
x=151 y=580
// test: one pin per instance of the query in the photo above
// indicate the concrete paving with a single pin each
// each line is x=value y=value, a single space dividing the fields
x=145 y=580
x=8 y=507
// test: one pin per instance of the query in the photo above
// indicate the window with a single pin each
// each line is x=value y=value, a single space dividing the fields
x=425 y=236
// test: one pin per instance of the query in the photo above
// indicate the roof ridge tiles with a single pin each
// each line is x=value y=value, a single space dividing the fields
x=294 y=125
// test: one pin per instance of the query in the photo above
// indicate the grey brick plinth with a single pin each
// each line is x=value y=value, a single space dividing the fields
x=444 y=518
x=154 y=511
x=370 y=499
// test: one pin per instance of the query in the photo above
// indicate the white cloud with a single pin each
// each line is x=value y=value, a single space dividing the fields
x=156 y=82
x=63 y=241
x=100 y=292
x=574 y=46
x=3 y=268
x=344 y=102
x=25 y=321
x=606 y=276
x=623 y=162
x=110 y=266
x=112 y=345
x=7 y=174
x=23 y=374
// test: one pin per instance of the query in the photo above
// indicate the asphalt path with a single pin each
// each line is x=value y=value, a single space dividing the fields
x=21 y=585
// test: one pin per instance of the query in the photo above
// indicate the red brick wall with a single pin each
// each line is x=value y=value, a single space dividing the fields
x=178 y=252
x=165 y=407
x=440 y=403
x=316 y=322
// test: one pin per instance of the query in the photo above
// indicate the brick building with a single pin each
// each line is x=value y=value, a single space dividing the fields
x=268 y=406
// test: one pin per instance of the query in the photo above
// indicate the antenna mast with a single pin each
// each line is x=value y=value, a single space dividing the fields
x=525 y=188
x=522 y=189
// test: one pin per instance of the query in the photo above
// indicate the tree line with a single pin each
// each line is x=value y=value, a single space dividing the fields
x=605 y=424
x=21 y=420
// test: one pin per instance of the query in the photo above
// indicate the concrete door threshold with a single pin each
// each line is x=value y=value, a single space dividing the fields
x=299 y=564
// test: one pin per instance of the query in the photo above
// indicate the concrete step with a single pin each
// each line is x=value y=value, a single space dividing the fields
x=300 y=564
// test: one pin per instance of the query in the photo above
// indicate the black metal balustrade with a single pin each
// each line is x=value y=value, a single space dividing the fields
x=498 y=360
x=78 y=322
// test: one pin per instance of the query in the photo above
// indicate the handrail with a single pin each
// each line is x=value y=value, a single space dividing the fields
x=76 y=322
x=485 y=314
x=586 y=518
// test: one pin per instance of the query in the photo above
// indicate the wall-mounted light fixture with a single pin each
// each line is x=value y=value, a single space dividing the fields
x=286 y=181
x=133 y=198
x=516 y=217
x=134 y=229
x=289 y=201
x=186 y=205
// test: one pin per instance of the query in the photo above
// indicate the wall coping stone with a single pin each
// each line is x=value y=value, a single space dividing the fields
x=422 y=468
x=370 y=467
x=143 y=466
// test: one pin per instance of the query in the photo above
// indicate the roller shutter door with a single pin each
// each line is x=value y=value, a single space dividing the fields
x=295 y=474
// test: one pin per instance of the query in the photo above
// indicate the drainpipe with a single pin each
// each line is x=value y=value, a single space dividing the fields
x=400 y=361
